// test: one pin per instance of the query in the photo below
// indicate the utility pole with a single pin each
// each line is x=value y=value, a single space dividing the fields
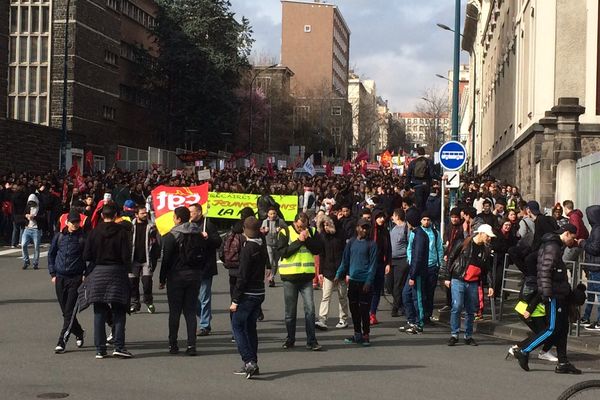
x=63 y=136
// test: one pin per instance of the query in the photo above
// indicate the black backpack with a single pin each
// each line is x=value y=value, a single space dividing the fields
x=192 y=251
x=421 y=168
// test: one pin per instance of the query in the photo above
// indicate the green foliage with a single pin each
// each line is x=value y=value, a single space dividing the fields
x=201 y=53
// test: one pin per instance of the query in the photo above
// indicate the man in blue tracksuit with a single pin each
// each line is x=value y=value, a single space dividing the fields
x=435 y=257
x=359 y=263
x=418 y=259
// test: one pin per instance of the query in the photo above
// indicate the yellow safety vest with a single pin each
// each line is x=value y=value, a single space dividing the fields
x=301 y=262
x=539 y=311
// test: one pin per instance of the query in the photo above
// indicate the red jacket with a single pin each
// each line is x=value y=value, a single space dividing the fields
x=576 y=218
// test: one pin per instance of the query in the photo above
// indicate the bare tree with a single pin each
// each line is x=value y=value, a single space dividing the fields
x=433 y=109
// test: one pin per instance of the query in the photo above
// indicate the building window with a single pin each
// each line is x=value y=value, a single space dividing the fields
x=307 y=28
x=300 y=115
x=336 y=110
x=137 y=14
x=264 y=84
x=110 y=58
x=113 y=4
x=99 y=163
x=336 y=133
x=108 y=113
x=28 y=57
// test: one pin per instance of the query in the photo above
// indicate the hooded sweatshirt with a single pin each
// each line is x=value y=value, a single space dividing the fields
x=591 y=245
x=108 y=244
x=171 y=242
x=576 y=218
x=33 y=209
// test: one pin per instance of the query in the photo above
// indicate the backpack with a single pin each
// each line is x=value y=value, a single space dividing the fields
x=421 y=168
x=192 y=251
x=229 y=252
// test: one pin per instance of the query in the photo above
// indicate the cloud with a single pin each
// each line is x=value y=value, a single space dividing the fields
x=394 y=42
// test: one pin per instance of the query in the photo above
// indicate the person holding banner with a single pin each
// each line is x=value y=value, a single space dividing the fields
x=213 y=240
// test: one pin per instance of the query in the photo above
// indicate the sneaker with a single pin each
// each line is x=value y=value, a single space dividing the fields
x=471 y=342
x=60 y=348
x=445 y=309
x=35 y=266
x=567 y=368
x=320 y=325
x=191 y=351
x=261 y=316
x=522 y=358
x=341 y=325
x=151 y=308
x=251 y=369
x=122 y=353
x=373 y=319
x=288 y=344
x=584 y=322
x=404 y=328
x=547 y=356
x=452 y=341
x=101 y=354
x=80 y=339
x=26 y=265
x=203 y=332
x=173 y=349
x=314 y=347
x=354 y=339
x=110 y=339
x=366 y=341
x=511 y=351
x=133 y=309
x=233 y=339
x=414 y=329
x=593 y=327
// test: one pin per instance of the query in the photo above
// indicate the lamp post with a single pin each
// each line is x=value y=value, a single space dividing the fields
x=63 y=136
x=250 y=137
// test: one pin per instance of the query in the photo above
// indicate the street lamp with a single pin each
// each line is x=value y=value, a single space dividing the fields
x=251 y=93
x=443 y=77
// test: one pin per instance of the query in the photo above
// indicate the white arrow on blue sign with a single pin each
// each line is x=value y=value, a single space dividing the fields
x=453 y=155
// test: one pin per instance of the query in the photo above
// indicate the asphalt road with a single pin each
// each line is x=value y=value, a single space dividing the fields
x=395 y=366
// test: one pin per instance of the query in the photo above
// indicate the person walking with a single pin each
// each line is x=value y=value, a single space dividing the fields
x=419 y=175
x=399 y=266
x=591 y=246
x=359 y=264
x=270 y=228
x=184 y=259
x=553 y=284
x=298 y=247
x=333 y=243
x=467 y=268
x=66 y=267
x=248 y=295
x=32 y=232
x=108 y=252
x=381 y=237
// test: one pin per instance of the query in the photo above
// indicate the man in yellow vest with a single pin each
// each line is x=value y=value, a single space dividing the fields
x=298 y=247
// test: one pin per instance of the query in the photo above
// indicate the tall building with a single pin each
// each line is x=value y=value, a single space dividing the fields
x=366 y=119
x=105 y=105
x=315 y=44
x=421 y=128
x=534 y=68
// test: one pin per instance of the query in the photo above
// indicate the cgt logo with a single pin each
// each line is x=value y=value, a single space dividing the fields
x=166 y=199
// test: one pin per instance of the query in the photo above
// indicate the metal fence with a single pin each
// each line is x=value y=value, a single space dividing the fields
x=588 y=180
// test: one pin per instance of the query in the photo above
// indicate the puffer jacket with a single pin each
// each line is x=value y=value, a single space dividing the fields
x=65 y=257
x=591 y=245
x=552 y=278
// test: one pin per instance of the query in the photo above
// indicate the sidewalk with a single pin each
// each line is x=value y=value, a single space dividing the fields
x=511 y=328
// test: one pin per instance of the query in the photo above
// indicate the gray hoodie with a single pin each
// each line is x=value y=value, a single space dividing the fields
x=34 y=206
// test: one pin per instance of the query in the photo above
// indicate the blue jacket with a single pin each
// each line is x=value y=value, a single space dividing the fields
x=418 y=253
x=65 y=257
x=359 y=261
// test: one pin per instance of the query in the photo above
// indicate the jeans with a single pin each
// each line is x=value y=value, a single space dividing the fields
x=243 y=324
x=360 y=304
x=17 y=234
x=273 y=260
x=204 y=312
x=182 y=295
x=66 y=293
x=342 y=292
x=378 y=284
x=412 y=297
x=591 y=297
x=399 y=272
x=430 y=283
x=464 y=295
x=31 y=235
x=144 y=270
x=101 y=311
x=290 y=295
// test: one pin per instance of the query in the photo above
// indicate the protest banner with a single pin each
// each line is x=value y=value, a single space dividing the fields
x=229 y=205
x=165 y=199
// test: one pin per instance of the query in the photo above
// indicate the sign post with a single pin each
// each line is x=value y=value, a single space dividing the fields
x=453 y=157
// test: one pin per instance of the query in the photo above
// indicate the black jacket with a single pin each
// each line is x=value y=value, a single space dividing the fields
x=251 y=279
x=458 y=261
x=543 y=225
x=108 y=244
x=331 y=255
x=552 y=278
x=349 y=226
x=65 y=257
x=419 y=260
x=213 y=242
x=591 y=246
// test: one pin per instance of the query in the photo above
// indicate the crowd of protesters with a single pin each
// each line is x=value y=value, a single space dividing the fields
x=356 y=235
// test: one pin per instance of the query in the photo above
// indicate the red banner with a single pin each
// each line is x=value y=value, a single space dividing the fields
x=165 y=199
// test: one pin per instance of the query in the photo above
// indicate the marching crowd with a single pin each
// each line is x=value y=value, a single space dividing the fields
x=356 y=236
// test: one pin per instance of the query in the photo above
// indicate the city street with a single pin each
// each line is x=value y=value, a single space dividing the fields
x=395 y=366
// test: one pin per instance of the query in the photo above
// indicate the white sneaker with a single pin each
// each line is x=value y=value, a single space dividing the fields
x=341 y=325
x=547 y=356
x=321 y=325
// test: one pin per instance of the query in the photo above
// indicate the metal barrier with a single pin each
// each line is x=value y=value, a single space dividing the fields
x=578 y=274
x=512 y=279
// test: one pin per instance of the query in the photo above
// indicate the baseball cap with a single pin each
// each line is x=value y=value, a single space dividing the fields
x=567 y=228
x=129 y=204
x=487 y=229
x=73 y=217
x=363 y=222
x=534 y=207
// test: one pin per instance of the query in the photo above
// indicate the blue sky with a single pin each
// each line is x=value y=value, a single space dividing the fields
x=394 y=42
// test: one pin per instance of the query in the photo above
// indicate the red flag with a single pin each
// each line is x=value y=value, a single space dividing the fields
x=165 y=199
x=89 y=159
x=328 y=169
x=362 y=155
x=347 y=167
x=74 y=170
x=270 y=171
x=363 y=167
x=118 y=155
x=65 y=191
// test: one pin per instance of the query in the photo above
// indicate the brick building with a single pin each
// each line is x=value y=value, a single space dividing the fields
x=105 y=104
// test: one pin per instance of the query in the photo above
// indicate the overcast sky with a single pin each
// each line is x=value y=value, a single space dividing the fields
x=394 y=42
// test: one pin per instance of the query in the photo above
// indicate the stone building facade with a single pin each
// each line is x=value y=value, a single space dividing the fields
x=534 y=68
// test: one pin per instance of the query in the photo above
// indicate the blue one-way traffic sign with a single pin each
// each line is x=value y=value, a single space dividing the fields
x=453 y=155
